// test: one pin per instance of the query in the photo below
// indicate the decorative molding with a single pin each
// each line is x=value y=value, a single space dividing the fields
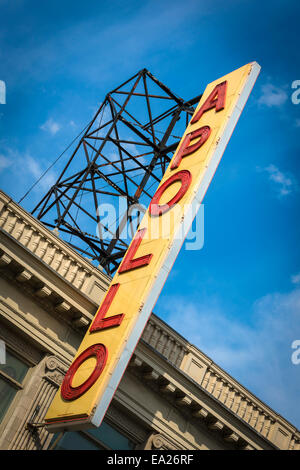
x=55 y=370
x=46 y=245
x=215 y=381
x=5 y=259
x=189 y=403
x=68 y=311
x=159 y=442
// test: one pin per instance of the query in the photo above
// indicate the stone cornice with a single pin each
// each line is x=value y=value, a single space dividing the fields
x=41 y=281
x=46 y=245
x=193 y=400
x=216 y=381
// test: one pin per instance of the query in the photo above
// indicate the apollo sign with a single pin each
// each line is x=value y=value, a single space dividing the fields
x=105 y=351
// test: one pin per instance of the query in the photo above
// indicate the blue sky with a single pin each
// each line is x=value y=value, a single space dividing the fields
x=237 y=299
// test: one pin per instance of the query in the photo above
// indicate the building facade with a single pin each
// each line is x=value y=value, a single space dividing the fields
x=172 y=396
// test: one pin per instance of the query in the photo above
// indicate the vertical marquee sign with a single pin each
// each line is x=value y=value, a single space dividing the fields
x=105 y=351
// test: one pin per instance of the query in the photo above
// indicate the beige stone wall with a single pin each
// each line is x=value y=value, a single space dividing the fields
x=172 y=396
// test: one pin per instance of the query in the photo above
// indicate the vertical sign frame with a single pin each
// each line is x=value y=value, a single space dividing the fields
x=108 y=345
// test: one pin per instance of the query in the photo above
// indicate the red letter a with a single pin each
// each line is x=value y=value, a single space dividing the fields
x=215 y=100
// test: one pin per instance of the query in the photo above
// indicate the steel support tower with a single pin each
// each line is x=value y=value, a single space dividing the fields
x=123 y=153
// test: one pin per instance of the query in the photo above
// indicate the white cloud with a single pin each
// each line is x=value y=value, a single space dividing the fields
x=257 y=352
x=4 y=162
x=296 y=279
x=50 y=126
x=35 y=169
x=283 y=183
x=73 y=41
x=272 y=96
x=12 y=160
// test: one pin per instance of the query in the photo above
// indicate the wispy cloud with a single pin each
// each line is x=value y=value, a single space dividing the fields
x=272 y=96
x=50 y=126
x=283 y=183
x=295 y=279
x=12 y=160
x=36 y=170
x=4 y=162
x=74 y=39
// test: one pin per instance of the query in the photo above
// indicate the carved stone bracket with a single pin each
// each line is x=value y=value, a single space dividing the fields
x=158 y=442
x=54 y=370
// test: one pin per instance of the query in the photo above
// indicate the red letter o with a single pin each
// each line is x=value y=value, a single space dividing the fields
x=98 y=351
x=185 y=177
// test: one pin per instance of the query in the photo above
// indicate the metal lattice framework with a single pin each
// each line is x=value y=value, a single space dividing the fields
x=124 y=151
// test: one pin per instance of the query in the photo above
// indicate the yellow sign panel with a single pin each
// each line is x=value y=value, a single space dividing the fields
x=105 y=351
